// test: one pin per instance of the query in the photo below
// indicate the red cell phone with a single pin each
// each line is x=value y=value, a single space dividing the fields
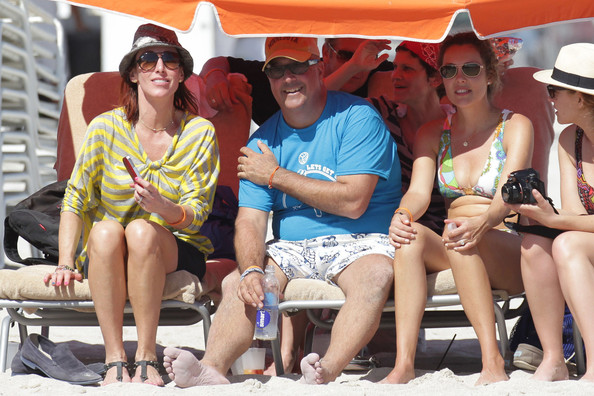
x=130 y=167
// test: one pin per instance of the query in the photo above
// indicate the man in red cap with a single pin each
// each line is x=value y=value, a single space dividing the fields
x=328 y=170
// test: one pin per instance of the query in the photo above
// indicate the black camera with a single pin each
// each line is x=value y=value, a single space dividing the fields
x=519 y=186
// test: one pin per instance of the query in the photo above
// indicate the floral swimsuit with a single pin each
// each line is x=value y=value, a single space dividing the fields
x=585 y=191
x=489 y=178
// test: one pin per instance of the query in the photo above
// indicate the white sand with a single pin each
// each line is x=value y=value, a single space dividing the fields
x=460 y=372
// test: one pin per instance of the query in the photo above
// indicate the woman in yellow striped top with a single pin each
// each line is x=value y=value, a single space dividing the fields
x=137 y=230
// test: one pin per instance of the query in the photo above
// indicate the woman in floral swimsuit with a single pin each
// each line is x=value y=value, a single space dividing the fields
x=472 y=152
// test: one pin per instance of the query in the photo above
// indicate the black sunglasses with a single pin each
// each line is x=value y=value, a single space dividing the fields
x=148 y=61
x=469 y=70
x=552 y=89
x=277 y=71
x=342 y=55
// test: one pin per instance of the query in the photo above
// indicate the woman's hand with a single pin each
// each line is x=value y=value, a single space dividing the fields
x=147 y=196
x=541 y=212
x=62 y=275
x=401 y=231
x=250 y=290
x=467 y=233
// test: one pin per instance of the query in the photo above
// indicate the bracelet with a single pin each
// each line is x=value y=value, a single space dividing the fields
x=64 y=267
x=249 y=270
x=213 y=70
x=406 y=211
x=271 y=176
x=182 y=219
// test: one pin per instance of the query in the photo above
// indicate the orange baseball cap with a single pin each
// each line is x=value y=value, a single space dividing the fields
x=298 y=49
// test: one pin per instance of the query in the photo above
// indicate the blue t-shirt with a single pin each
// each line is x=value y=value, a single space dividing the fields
x=349 y=138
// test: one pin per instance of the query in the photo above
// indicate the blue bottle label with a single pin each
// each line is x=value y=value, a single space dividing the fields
x=262 y=318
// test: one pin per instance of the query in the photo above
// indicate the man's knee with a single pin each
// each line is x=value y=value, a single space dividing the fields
x=230 y=283
x=370 y=275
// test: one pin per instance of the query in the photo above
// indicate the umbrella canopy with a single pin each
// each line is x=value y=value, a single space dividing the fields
x=426 y=20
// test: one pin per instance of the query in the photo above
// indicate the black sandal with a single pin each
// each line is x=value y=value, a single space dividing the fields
x=142 y=364
x=119 y=372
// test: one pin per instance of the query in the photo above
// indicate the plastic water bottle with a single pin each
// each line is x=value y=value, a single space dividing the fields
x=267 y=317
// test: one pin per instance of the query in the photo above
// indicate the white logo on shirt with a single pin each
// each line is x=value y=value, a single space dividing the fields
x=303 y=157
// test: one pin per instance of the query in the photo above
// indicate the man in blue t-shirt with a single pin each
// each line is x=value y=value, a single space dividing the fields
x=327 y=168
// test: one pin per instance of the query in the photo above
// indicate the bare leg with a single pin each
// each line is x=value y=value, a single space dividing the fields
x=573 y=253
x=152 y=254
x=107 y=281
x=231 y=335
x=424 y=254
x=216 y=271
x=365 y=283
x=470 y=269
x=547 y=305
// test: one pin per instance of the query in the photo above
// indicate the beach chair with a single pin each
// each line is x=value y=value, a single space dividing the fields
x=31 y=303
x=312 y=296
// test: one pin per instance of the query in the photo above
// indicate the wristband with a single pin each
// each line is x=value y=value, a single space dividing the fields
x=213 y=70
x=182 y=219
x=271 y=176
x=249 y=270
x=405 y=211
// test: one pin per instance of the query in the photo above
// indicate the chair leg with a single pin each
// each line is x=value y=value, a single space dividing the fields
x=578 y=345
x=277 y=356
x=4 y=342
x=503 y=339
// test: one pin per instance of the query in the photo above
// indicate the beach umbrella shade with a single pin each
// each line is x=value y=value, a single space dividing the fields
x=426 y=20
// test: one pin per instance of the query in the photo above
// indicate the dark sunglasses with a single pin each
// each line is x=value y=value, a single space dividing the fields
x=277 y=71
x=469 y=70
x=552 y=89
x=148 y=61
x=342 y=55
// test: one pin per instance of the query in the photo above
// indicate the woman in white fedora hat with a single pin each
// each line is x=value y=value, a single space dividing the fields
x=562 y=269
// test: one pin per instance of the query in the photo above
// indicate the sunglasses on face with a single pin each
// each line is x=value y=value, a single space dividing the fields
x=552 y=89
x=469 y=70
x=341 y=55
x=148 y=61
x=277 y=71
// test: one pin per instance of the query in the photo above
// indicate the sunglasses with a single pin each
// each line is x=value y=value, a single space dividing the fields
x=552 y=89
x=148 y=61
x=277 y=71
x=342 y=55
x=469 y=70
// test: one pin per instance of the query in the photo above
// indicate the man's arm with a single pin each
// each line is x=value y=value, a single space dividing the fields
x=250 y=250
x=348 y=196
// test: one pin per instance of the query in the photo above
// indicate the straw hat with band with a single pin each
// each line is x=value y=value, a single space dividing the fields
x=298 y=49
x=150 y=35
x=574 y=69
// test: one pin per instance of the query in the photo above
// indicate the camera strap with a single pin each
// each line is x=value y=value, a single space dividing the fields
x=540 y=230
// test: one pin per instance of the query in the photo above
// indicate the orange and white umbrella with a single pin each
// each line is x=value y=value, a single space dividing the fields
x=427 y=20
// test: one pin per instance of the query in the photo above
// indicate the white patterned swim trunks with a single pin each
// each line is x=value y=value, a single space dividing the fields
x=325 y=257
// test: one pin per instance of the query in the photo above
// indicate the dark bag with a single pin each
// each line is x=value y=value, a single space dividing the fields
x=220 y=225
x=37 y=220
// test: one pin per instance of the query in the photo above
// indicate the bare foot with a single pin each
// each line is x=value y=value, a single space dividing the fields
x=588 y=376
x=490 y=376
x=551 y=371
x=309 y=368
x=152 y=373
x=399 y=375
x=111 y=374
x=185 y=370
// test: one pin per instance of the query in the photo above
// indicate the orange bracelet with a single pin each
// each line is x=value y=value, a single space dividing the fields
x=182 y=219
x=271 y=176
x=406 y=211
x=213 y=70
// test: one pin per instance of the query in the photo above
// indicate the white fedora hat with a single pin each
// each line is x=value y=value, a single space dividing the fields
x=574 y=69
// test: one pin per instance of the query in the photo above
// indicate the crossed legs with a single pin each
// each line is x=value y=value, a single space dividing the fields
x=134 y=262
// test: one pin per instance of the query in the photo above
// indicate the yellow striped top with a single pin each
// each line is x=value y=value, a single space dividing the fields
x=99 y=187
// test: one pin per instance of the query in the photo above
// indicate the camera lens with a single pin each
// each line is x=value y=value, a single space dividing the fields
x=511 y=193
